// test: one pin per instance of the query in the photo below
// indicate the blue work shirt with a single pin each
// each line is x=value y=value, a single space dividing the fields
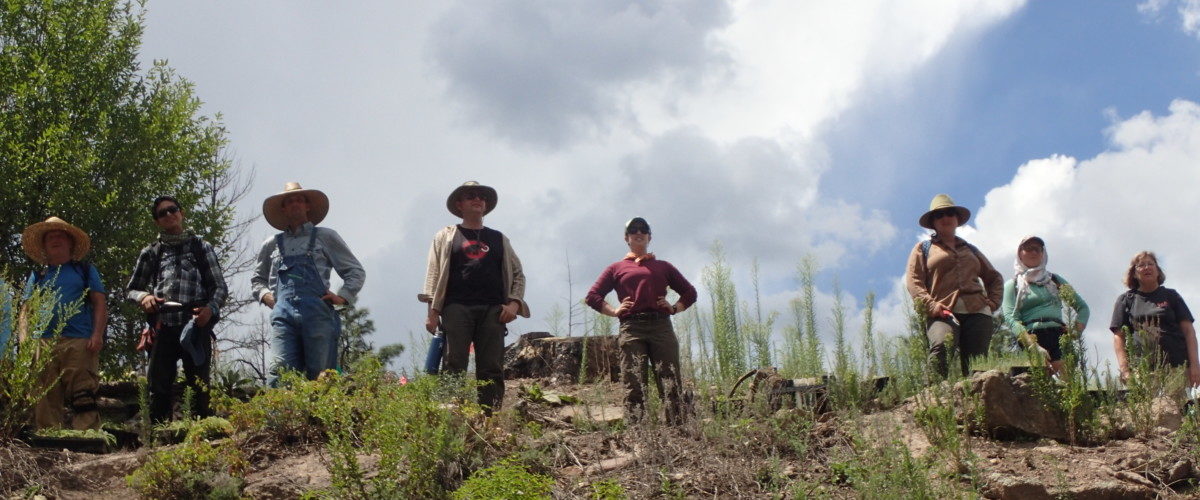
x=67 y=284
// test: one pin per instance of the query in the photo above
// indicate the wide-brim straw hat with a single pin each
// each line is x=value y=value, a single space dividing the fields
x=489 y=195
x=318 y=205
x=31 y=239
x=939 y=202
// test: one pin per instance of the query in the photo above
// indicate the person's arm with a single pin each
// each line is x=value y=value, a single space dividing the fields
x=1082 y=312
x=1122 y=356
x=687 y=292
x=914 y=280
x=99 y=320
x=260 y=282
x=993 y=281
x=515 y=300
x=433 y=276
x=345 y=263
x=604 y=284
x=1011 y=315
x=220 y=288
x=1189 y=337
x=138 y=289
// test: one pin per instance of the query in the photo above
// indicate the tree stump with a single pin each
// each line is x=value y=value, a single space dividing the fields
x=541 y=355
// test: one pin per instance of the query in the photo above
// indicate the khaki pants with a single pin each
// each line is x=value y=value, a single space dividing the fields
x=650 y=345
x=73 y=377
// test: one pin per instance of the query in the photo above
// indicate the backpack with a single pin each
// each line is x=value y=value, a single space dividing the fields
x=207 y=280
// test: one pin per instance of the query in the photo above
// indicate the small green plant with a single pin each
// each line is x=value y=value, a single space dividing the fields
x=507 y=479
x=195 y=469
x=608 y=489
x=200 y=429
x=109 y=439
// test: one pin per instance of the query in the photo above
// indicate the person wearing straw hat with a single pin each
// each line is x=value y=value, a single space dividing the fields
x=73 y=375
x=1032 y=307
x=647 y=337
x=474 y=286
x=292 y=278
x=177 y=281
x=956 y=283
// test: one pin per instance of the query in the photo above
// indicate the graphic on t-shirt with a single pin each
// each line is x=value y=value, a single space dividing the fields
x=474 y=250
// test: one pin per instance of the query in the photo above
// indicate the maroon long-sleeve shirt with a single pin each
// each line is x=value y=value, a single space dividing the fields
x=644 y=281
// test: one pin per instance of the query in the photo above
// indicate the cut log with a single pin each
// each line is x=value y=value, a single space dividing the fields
x=540 y=355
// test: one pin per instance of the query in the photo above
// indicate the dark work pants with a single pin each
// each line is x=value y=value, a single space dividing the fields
x=479 y=325
x=164 y=355
x=970 y=340
x=650 y=346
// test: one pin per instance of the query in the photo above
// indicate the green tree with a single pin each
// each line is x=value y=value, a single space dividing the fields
x=357 y=325
x=86 y=135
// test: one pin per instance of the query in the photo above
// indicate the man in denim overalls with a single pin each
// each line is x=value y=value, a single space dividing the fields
x=292 y=278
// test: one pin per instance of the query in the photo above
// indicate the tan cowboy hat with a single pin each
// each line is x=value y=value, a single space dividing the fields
x=939 y=202
x=31 y=239
x=489 y=196
x=318 y=205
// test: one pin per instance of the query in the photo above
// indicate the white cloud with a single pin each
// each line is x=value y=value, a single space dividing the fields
x=1095 y=214
x=1188 y=10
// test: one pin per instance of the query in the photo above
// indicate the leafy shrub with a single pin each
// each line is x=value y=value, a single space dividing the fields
x=20 y=364
x=196 y=469
x=201 y=429
x=507 y=479
x=285 y=413
x=608 y=489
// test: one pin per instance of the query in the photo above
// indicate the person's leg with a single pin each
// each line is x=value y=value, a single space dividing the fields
x=489 y=357
x=663 y=352
x=319 y=333
x=160 y=374
x=633 y=370
x=48 y=412
x=938 y=333
x=197 y=376
x=1050 y=341
x=287 y=352
x=459 y=328
x=82 y=379
x=975 y=338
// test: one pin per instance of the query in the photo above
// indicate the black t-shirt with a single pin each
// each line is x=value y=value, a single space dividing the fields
x=1157 y=313
x=476 y=268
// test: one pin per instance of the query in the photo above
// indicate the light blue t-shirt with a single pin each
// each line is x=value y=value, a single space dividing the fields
x=67 y=282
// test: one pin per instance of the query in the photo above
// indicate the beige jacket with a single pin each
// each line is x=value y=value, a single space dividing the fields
x=958 y=279
x=437 y=275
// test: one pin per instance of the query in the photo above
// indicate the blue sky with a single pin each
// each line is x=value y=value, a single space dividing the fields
x=779 y=128
x=1039 y=83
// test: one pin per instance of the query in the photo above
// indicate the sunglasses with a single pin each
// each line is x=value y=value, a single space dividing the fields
x=166 y=211
x=638 y=229
x=473 y=195
x=945 y=212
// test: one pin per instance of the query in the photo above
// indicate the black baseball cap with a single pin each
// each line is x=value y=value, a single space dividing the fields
x=637 y=223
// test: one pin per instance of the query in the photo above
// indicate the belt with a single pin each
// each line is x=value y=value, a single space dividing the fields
x=643 y=316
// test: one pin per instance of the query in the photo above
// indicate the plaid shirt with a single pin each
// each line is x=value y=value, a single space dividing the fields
x=178 y=279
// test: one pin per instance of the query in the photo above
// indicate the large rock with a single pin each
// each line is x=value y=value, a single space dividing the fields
x=1011 y=405
x=540 y=355
x=1006 y=487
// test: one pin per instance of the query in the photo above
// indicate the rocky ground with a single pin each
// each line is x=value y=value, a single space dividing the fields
x=579 y=434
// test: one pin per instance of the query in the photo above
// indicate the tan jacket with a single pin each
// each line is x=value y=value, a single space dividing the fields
x=437 y=275
x=958 y=275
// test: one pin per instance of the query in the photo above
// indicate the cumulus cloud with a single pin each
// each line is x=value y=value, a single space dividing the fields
x=1095 y=214
x=549 y=73
x=1188 y=10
